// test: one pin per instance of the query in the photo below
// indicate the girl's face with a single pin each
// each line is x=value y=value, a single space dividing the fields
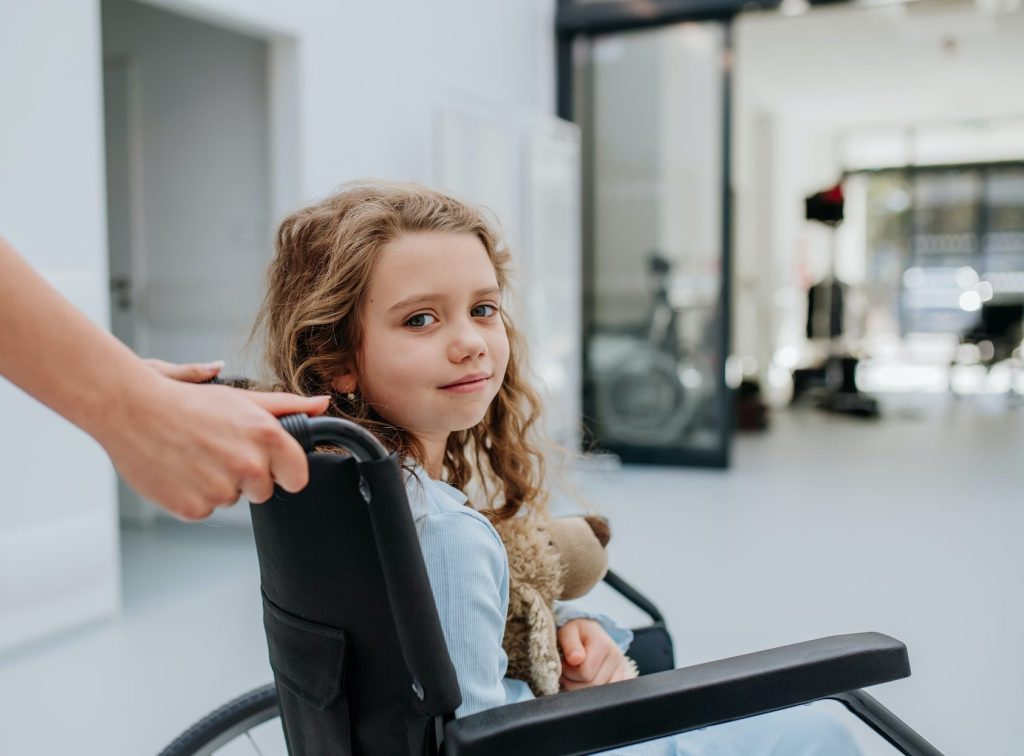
x=434 y=348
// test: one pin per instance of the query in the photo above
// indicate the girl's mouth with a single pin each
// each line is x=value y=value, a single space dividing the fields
x=468 y=384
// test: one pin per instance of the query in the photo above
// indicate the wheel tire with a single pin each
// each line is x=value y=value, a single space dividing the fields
x=226 y=723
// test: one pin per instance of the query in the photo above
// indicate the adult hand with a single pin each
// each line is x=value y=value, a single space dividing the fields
x=193 y=448
x=589 y=656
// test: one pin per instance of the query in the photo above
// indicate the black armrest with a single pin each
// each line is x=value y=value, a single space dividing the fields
x=661 y=704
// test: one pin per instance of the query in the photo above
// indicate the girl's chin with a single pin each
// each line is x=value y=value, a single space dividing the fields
x=467 y=425
x=467 y=422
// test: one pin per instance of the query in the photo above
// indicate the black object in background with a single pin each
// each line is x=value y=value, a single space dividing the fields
x=825 y=325
x=826 y=206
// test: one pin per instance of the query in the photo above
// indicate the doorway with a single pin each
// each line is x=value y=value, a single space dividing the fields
x=188 y=134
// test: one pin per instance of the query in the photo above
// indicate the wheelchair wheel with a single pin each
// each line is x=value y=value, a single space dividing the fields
x=232 y=721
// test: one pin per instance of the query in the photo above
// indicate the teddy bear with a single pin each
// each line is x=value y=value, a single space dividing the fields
x=549 y=560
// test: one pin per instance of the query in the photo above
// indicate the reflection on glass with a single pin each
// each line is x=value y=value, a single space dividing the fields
x=945 y=269
x=888 y=250
x=1003 y=241
x=945 y=247
x=944 y=240
x=651 y=107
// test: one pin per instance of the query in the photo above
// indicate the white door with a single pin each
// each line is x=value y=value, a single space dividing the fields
x=123 y=232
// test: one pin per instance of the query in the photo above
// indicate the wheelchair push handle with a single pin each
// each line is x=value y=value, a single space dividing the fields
x=311 y=431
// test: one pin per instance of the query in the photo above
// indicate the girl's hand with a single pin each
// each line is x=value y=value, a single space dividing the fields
x=589 y=656
x=191 y=373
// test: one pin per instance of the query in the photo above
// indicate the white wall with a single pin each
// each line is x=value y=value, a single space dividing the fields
x=368 y=78
x=204 y=227
x=58 y=538
x=807 y=86
x=371 y=72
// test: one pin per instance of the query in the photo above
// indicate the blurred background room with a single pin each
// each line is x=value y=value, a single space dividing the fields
x=770 y=262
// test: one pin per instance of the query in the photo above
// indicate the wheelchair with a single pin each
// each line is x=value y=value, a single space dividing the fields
x=361 y=667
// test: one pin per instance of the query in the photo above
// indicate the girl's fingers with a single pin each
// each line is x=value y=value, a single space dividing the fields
x=595 y=658
x=600 y=651
x=571 y=643
x=606 y=671
x=613 y=670
x=568 y=684
x=623 y=672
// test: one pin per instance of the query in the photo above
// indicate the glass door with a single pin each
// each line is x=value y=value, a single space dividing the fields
x=653 y=109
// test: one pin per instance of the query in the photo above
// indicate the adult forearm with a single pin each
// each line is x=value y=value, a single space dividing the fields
x=189 y=448
x=55 y=353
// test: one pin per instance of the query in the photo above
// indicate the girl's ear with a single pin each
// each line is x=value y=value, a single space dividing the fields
x=345 y=383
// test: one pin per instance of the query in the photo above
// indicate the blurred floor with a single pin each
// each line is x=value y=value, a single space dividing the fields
x=909 y=526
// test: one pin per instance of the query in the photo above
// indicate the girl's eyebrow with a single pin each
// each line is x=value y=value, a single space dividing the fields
x=419 y=299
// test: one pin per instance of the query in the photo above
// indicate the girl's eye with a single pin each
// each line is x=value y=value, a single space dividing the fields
x=421 y=320
x=484 y=311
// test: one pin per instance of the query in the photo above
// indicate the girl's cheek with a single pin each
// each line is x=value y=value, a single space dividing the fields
x=505 y=357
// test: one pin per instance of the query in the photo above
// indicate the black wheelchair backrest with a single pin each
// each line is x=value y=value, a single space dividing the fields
x=355 y=643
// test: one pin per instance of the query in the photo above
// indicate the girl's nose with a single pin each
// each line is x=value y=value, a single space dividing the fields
x=467 y=342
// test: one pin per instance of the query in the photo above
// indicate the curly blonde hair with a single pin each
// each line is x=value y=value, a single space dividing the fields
x=310 y=319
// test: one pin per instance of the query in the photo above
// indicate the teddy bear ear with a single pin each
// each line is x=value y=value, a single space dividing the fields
x=600 y=527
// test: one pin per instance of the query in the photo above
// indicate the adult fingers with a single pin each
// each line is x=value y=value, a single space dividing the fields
x=201 y=505
x=571 y=643
x=277 y=403
x=270 y=454
x=282 y=458
x=288 y=466
x=257 y=490
x=193 y=372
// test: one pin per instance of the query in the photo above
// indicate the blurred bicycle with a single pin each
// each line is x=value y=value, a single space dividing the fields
x=650 y=391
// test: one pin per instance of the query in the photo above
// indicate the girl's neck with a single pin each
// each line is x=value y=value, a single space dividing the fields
x=433 y=454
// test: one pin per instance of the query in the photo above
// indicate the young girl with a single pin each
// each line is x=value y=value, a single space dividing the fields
x=388 y=298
